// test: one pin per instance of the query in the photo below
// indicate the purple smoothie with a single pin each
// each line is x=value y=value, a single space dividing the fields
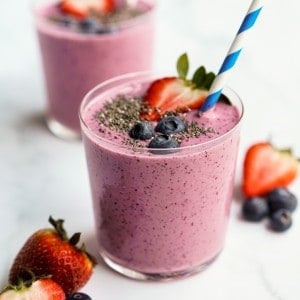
x=75 y=62
x=160 y=215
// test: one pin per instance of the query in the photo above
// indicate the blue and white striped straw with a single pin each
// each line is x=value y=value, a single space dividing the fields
x=232 y=56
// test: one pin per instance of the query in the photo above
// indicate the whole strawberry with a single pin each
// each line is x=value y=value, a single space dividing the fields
x=49 y=252
x=35 y=289
x=267 y=168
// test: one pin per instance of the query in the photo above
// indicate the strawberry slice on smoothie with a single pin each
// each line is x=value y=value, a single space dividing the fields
x=177 y=94
x=82 y=8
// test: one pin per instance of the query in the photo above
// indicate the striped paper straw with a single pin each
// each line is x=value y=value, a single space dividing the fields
x=232 y=56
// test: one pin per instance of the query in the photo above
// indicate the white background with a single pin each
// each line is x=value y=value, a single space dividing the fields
x=42 y=175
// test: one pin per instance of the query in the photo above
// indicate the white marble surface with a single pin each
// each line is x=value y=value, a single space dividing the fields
x=42 y=175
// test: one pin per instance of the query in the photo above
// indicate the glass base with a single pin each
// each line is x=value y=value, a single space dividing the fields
x=61 y=131
x=133 y=274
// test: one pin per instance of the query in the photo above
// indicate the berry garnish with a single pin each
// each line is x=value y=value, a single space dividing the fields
x=281 y=220
x=86 y=25
x=43 y=288
x=79 y=296
x=141 y=131
x=281 y=198
x=266 y=168
x=169 y=125
x=90 y=25
x=81 y=9
x=255 y=209
x=49 y=252
x=177 y=94
x=163 y=142
x=66 y=21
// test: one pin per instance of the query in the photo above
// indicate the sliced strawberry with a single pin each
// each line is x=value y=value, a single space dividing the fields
x=107 y=6
x=74 y=8
x=266 y=168
x=45 y=289
x=81 y=8
x=171 y=94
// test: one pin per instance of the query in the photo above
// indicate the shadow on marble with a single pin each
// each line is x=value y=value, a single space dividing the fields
x=31 y=124
x=33 y=121
x=92 y=247
x=237 y=193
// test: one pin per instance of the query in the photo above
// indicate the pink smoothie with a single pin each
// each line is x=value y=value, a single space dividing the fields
x=161 y=214
x=75 y=62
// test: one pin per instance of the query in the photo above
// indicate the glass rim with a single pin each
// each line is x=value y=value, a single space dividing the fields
x=130 y=76
x=122 y=25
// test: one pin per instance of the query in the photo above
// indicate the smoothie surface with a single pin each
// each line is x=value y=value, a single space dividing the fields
x=211 y=125
x=122 y=17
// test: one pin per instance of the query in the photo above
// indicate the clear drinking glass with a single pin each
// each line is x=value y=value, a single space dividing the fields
x=158 y=216
x=75 y=62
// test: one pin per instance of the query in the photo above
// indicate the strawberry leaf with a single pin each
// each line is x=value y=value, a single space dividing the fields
x=209 y=80
x=183 y=66
x=203 y=80
x=199 y=77
x=75 y=238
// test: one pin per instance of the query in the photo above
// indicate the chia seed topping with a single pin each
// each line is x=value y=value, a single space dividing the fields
x=122 y=113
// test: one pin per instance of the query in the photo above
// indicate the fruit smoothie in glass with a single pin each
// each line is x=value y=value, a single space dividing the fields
x=83 y=43
x=161 y=180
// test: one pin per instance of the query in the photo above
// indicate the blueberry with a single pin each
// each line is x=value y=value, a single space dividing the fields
x=107 y=29
x=169 y=125
x=281 y=198
x=66 y=21
x=281 y=220
x=163 y=142
x=79 y=296
x=90 y=25
x=141 y=131
x=255 y=209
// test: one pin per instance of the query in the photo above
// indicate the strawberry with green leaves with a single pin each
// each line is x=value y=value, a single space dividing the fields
x=49 y=252
x=81 y=9
x=34 y=289
x=267 y=168
x=177 y=94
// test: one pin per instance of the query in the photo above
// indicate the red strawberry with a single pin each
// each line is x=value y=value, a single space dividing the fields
x=81 y=8
x=48 y=252
x=107 y=6
x=266 y=168
x=43 y=288
x=177 y=94
x=171 y=94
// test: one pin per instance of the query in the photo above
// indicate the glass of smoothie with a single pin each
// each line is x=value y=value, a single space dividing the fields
x=81 y=47
x=161 y=191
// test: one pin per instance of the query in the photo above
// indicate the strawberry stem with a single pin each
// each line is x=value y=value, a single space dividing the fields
x=58 y=225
